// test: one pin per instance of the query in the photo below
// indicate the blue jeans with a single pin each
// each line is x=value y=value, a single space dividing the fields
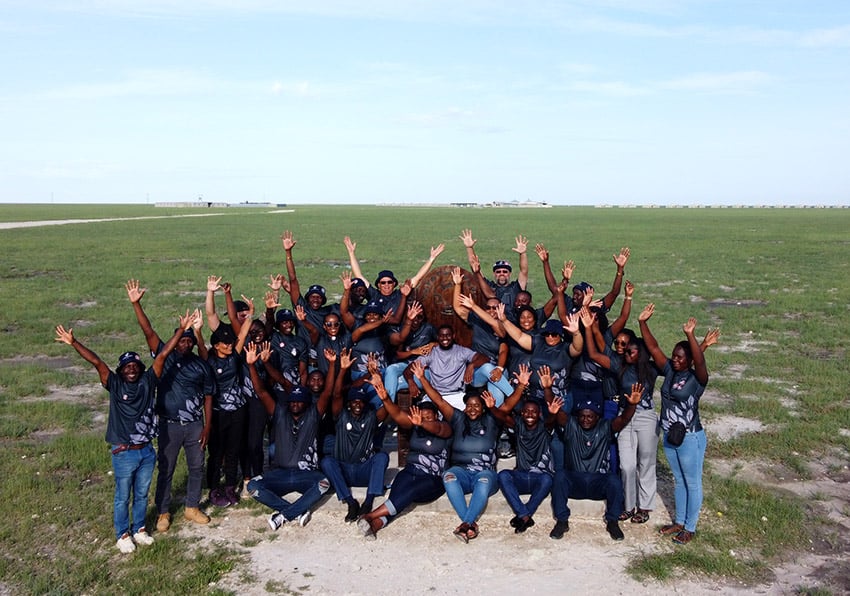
x=459 y=482
x=412 y=485
x=268 y=488
x=587 y=485
x=394 y=379
x=133 y=471
x=686 y=462
x=499 y=390
x=514 y=483
x=369 y=473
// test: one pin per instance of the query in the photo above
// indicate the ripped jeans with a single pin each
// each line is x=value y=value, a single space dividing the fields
x=459 y=482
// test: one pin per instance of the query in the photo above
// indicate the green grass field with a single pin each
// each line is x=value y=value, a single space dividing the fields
x=774 y=280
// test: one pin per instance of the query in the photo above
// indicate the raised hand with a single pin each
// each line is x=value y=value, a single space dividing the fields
x=414 y=309
x=468 y=240
x=544 y=373
x=437 y=250
x=647 y=311
x=588 y=317
x=350 y=246
x=630 y=289
x=199 y=320
x=572 y=323
x=187 y=321
x=457 y=276
x=276 y=282
x=64 y=336
x=251 y=353
x=265 y=351
x=330 y=355
x=556 y=404
x=300 y=313
x=271 y=299
x=250 y=303
x=475 y=264
x=521 y=244
x=406 y=288
x=418 y=369
x=287 y=240
x=637 y=391
x=226 y=287
x=213 y=283
x=689 y=326
x=500 y=312
x=622 y=258
x=345 y=359
x=415 y=415
x=523 y=374
x=568 y=269
x=541 y=252
x=134 y=292
x=711 y=337
x=346 y=280
x=488 y=399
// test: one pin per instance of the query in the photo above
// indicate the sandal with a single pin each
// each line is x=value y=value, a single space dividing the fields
x=683 y=537
x=641 y=517
x=671 y=529
x=472 y=532
x=462 y=532
x=627 y=514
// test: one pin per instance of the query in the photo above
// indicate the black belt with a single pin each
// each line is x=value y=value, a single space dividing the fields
x=124 y=447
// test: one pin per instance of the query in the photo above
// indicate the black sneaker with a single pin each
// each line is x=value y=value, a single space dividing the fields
x=515 y=520
x=614 y=530
x=561 y=528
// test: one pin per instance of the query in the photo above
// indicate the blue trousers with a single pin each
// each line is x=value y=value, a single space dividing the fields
x=133 y=470
x=514 y=483
x=587 y=485
x=268 y=489
x=344 y=475
x=412 y=485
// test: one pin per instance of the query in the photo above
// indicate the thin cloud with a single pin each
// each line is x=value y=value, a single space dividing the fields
x=609 y=88
x=729 y=82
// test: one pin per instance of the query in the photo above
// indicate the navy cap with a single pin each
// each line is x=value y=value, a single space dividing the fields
x=582 y=287
x=223 y=335
x=128 y=357
x=373 y=307
x=502 y=265
x=591 y=405
x=317 y=289
x=284 y=314
x=298 y=394
x=357 y=283
x=358 y=393
x=553 y=326
x=241 y=305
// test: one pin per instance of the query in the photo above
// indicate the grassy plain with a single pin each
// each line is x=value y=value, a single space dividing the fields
x=776 y=281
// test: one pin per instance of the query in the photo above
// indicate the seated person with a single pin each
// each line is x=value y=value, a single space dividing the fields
x=354 y=461
x=295 y=426
x=586 y=473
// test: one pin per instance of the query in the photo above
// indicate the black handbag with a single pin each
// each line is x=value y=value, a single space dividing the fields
x=676 y=434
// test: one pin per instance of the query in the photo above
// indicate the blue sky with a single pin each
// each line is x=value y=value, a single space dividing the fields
x=376 y=101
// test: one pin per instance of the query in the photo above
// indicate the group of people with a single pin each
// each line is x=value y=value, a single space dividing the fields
x=571 y=392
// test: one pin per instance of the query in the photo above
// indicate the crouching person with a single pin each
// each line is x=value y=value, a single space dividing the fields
x=130 y=428
x=354 y=461
x=294 y=467
x=586 y=473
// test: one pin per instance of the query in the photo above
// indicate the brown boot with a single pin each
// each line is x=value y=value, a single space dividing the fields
x=163 y=522
x=194 y=514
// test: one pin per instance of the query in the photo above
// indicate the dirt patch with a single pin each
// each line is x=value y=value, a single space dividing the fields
x=725 y=428
x=735 y=302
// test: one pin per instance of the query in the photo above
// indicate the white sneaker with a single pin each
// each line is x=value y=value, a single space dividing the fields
x=142 y=537
x=276 y=520
x=125 y=544
x=304 y=518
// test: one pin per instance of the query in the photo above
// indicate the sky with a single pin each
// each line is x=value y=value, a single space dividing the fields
x=613 y=102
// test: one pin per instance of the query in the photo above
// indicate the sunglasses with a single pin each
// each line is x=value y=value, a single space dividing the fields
x=331 y=324
x=385 y=282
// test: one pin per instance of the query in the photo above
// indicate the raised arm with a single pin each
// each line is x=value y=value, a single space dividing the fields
x=496 y=324
x=244 y=329
x=632 y=399
x=135 y=293
x=475 y=264
x=67 y=337
x=523 y=340
x=621 y=260
x=266 y=398
x=544 y=374
x=398 y=338
x=294 y=287
x=446 y=409
x=337 y=381
x=435 y=252
x=187 y=323
x=711 y=337
x=331 y=378
x=543 y=254
x=351 y=246
x=230 y=308
x=457 y=280
x=522 y=249
x=345 y=302
x=625 y=310
x=651 y=343
x=700 y=369
x=213 y=285
x=522 y=376
x=588 y=319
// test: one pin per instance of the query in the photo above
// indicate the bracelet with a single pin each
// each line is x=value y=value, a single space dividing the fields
x=619 y=272
x=627 y=298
